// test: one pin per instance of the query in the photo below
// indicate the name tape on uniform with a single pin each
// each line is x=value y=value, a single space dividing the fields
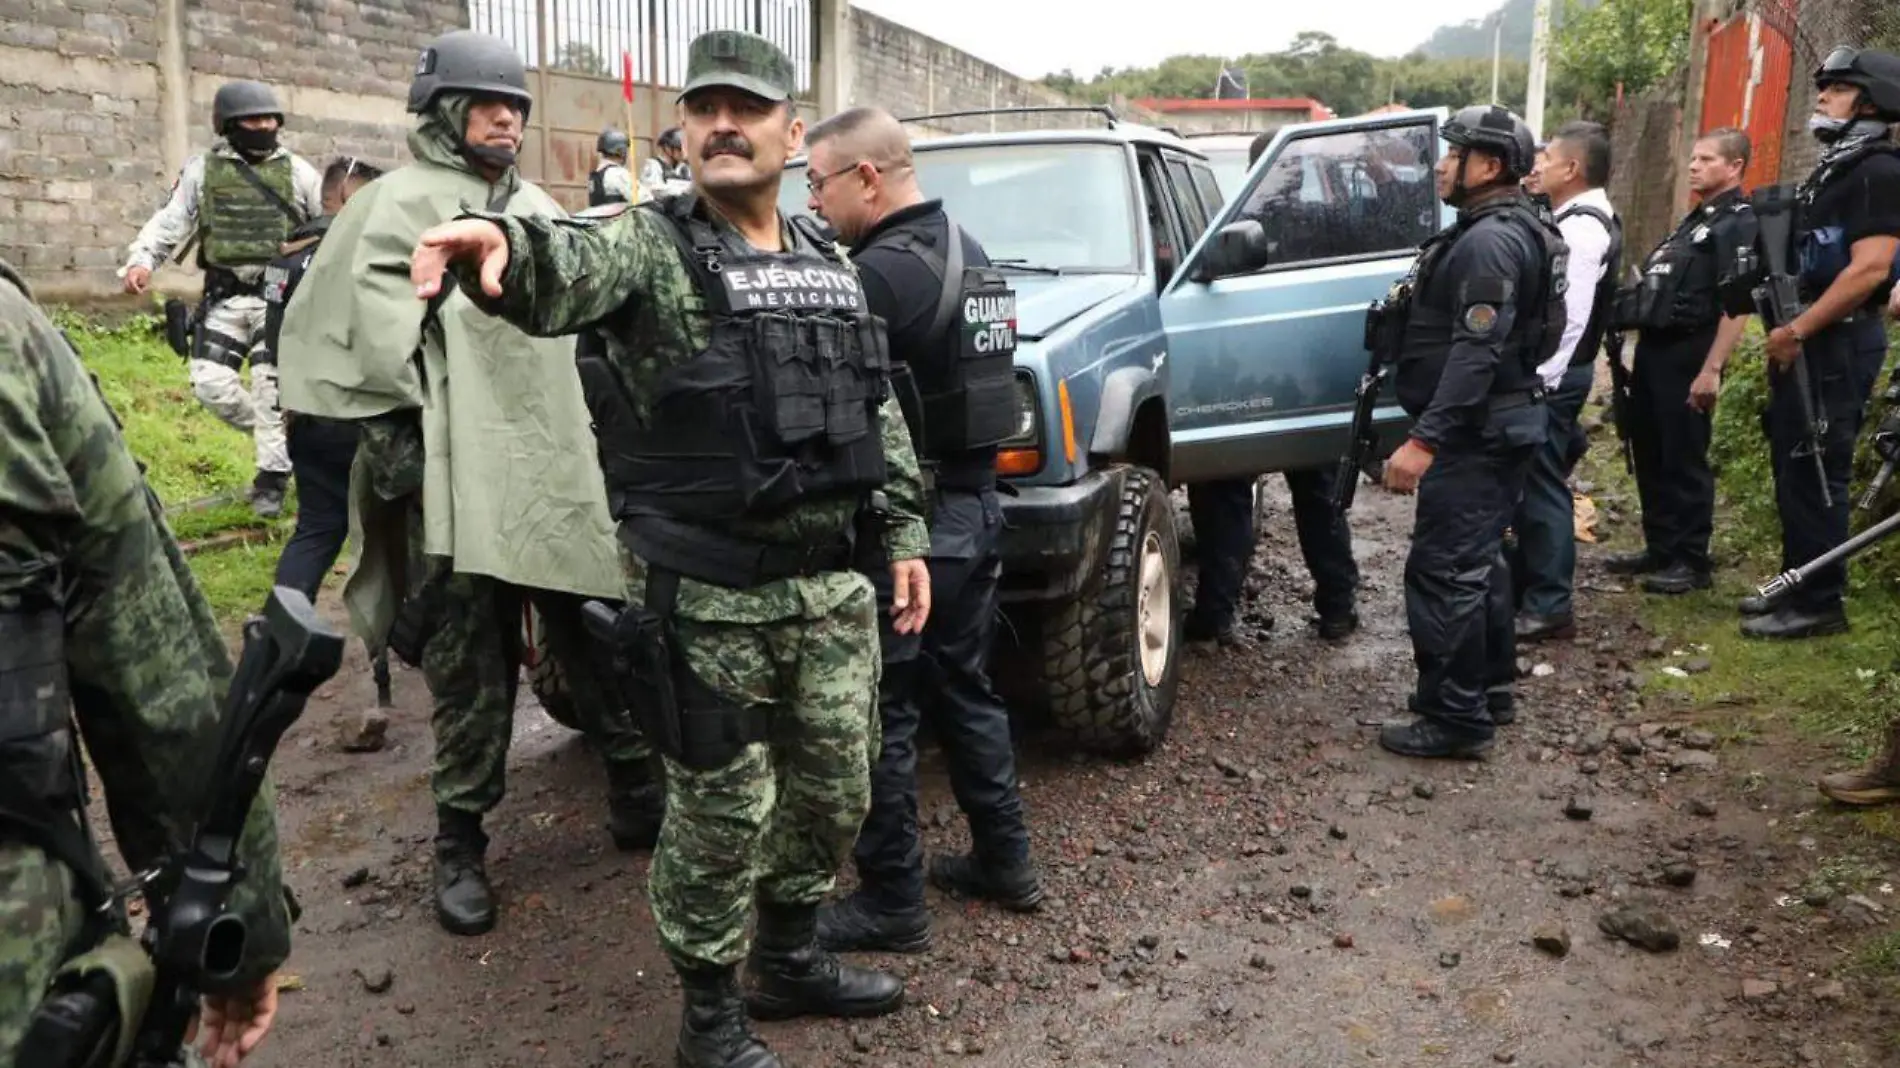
x=989 y=319
x=806 y=286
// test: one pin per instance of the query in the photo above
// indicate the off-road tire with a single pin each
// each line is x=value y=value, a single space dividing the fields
x=545 y=676
x=1098 y=694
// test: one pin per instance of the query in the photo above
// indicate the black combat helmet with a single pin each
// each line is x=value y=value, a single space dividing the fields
x=470 y=62
x=670 y=138
x=243 y=100
x=1875 y=74
x=612 y=143
x=1495 y=130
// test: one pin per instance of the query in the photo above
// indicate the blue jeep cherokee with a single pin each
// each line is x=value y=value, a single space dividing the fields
x=1167 y=333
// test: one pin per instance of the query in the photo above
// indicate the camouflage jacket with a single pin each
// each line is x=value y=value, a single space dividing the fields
x=627 y=274
x=147 y=665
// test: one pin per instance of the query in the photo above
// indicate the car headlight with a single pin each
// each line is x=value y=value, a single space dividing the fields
x=1021 y=454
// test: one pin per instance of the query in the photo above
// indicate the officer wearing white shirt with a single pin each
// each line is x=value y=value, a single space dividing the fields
x=1572 y=170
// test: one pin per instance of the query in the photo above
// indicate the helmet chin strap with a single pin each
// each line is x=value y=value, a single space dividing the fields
x=1460 y=192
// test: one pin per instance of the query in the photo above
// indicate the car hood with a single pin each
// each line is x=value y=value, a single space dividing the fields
x=1044 y=303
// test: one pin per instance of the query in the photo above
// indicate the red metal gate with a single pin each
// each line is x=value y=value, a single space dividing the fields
x=1751 y=63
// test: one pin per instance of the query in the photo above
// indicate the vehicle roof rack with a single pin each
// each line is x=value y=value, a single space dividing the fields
x=1103 y=110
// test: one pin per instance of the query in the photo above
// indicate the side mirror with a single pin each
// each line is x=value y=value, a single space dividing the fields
x=1238 y=248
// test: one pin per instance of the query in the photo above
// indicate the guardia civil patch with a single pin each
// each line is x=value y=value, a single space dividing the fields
x=792 y=285
x=1480 y=318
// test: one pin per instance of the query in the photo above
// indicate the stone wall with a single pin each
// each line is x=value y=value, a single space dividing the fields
x=101 y=101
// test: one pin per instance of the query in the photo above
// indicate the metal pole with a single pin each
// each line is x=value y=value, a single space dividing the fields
x=543 y=30
x=1497 y=44
x=653 y=71
x=1540 y=64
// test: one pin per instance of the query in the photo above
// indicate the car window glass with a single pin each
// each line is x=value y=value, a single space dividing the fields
x=1347 y=193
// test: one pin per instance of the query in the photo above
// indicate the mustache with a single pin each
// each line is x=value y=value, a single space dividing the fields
x=727 y=145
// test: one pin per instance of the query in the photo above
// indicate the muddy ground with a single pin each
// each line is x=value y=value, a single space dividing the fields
x=1269 y=889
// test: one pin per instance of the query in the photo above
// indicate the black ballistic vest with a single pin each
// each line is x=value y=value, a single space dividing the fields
x=1605 y=299
x=781 y=407
x=1432 y=313
x=282 y=275
x=967 y=380
x=597 y=190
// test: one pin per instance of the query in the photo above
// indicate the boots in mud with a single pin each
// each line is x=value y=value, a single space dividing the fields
x=1876 y=784
x=636 y=804
x=713 y=1028
x=794 y=976
x=464 y=902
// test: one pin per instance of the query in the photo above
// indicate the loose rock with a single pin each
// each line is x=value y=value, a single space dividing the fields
x=1552 y=938
x=1449 y=959
x=1342 y=941
x=356 y=878
x=1679 y=873
x=1579 y=808
x=1757 y=989
x=1641 y=926
x=376 y=979
x=363 y=733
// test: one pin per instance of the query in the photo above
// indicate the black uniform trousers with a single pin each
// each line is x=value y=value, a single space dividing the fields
x=321 y=451
x=1222 y=512
x=943 y=671
x=1458 y=601
x=1844 y=365
x=1669 y=444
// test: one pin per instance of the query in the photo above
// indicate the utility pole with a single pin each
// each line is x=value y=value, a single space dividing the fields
x=1497 y=45
x=1540 y=66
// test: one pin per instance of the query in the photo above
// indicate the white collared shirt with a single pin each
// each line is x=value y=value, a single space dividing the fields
x=1589 y=243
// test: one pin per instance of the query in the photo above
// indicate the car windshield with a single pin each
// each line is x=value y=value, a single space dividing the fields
x=1230 y=168
x=1064 y=206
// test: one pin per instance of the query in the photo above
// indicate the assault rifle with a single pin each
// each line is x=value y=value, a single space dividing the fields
x=1385 y=328
x=1778 y=300
x=1788 y=580
x=192 y=939
x=1886 y=445
x=1620 y=394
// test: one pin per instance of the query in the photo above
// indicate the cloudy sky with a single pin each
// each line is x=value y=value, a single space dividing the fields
x=1036 y=37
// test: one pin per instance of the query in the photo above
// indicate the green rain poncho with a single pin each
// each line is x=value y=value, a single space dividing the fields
x=511 y=487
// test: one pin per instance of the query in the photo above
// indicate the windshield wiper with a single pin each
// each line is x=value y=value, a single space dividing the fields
x=1026 y=267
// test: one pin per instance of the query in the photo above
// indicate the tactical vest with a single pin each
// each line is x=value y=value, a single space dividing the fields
x=1602 y=304
x=281 y=277
x=779 y=408
x=244 y=226
x=1537 y=332
x=1680 y=286
x=1822 y=251
x=967 y=378
x=597 y=189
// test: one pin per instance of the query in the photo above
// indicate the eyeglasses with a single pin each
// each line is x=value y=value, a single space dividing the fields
x=816 y=183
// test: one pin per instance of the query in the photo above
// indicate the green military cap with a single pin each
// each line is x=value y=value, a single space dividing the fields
x=741 y=60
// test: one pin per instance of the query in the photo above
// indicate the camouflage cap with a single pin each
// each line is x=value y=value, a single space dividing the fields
x=741 y=60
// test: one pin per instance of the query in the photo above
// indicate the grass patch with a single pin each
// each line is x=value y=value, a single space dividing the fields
x=200 y=468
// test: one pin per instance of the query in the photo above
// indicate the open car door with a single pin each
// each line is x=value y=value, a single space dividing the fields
x=1265 y=318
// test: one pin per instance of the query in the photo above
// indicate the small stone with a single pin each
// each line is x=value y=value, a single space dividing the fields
x=406 y=1008
x=1424 y=791
x=363 y=733
x=1229 y=768
x=1449 y=959
x=1698 y=740
x=376 y=979
x=861 y=1040
x=1641 y=926
x=1504 y=1056
x=954 y=1047
x=1832 y=990
x=1180 y=953
x=1079 y=955
x=1258 y=962
x=1679 y=873
x=356 y=878
x=1757 y=989
x=1543 y=671
x=1579 y=808
x=1301 y=891
x=1692 y=760
x=1336 y=832
x=1817 y=897
x=1148 y=941
x=1552 y=938
x=393 y=913
x=1342 y=941
x=1702 y=806
x=1589 y=767
x=1698 y=665
x=1524 y=667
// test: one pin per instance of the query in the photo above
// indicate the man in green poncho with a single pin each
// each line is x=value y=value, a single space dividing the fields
x=475 y=484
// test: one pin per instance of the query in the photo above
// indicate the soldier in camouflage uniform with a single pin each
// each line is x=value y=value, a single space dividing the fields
x=101 y=623
x=472 y=489
x=744 y=421
x=242 y=198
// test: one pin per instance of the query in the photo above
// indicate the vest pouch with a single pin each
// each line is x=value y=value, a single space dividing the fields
x=847 y=388
x=1823 y=254
x=36 y=746
x=791 y=381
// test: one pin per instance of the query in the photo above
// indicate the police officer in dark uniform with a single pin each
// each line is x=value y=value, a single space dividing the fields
x=1849 y=220
x=952 y=337
x=1684 y=341
x=1485 y=308
x=611 y=182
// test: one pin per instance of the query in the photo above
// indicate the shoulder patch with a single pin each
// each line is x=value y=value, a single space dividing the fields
x=1480 y=319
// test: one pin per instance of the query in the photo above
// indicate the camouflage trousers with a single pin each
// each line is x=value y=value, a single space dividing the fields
x=776 y=822
x=233 y=332
x=473 y=667
x=39 y=918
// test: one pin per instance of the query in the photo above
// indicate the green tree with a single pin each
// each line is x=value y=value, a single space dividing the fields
x=582 y=58
x=1618 y=44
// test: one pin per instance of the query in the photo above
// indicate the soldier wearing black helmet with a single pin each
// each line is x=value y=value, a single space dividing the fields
x=611 y=182
x=237 y=201
x=1848 y=229
x=667 y=171
x=474 y=485
x=1483 y=307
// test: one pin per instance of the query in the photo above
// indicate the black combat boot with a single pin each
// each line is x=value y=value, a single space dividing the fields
x=1639 y=563
x=636 y=804
x=1015 y=886
x=1677 y=579
x=856 y=925
x=713 y=1029
x=464 y=902
x=792 y=976
x=267 y=493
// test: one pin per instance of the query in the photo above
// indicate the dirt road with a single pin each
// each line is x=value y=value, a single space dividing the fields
x=1270 y=889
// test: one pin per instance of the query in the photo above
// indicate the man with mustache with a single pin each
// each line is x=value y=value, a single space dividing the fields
x=239 y=200
x=472 y=486
x=745 y=423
